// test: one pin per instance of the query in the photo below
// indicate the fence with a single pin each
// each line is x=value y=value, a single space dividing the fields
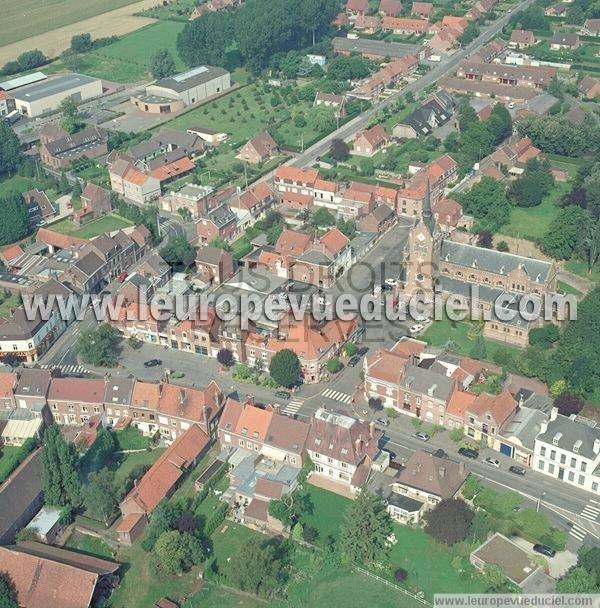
x=394 y=586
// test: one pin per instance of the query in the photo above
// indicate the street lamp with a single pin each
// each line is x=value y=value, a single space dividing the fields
x=537 y=508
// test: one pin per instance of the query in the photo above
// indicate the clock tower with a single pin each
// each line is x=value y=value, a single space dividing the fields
x=422 y=253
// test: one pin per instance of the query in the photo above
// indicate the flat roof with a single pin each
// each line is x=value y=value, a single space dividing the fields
x=191 y=78
x=21 y=81
x=52 y=86
x=375 y=47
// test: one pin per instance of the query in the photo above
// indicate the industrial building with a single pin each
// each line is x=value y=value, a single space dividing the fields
x=45 y=96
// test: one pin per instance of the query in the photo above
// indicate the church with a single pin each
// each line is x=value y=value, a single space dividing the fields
x=432 y=260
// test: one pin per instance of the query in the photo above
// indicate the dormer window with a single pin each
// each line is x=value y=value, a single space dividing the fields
x=244 y=431
x=577 y=445
x=557 y=438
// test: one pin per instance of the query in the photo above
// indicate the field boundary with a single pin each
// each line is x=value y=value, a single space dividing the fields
x=393 y=585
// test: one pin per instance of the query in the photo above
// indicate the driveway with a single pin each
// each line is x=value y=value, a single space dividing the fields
x=557 y=565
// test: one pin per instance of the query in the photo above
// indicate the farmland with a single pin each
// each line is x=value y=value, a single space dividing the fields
x=50 y=25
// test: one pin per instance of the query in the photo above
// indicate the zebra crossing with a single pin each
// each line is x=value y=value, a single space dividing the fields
x=591 y=512
x=337 y=396
x=577 y=533
x=291 y=409
x=67 y=369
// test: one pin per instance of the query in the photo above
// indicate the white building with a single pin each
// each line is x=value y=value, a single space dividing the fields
x=568 y=448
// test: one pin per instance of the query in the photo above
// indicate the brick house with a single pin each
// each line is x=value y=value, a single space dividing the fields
x=422 y=9
x=75 y=400
x=370 y=141
x=95 y=202
x=357 y=7
x=260 y=148
x=402 y=25
x=220 y=222
x=521 y=39
x=60 y=153
x=213 y=265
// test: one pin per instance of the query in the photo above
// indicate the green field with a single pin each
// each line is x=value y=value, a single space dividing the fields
x=215 y=596
x=85 y=543
x=27 y=18
x=248 y=111
x=327 y=514
x=8 y=458
x=18 y=184
x=533 y=222
x=127 y=59
x=102 y=225
x=128 y=462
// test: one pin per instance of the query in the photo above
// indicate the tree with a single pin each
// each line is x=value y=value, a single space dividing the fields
x=76 y=192
x=564 y=233
x=470 y=33
x=178 y=253
x=100 y=452
x=494 y=578
x=8 y=596
x=177 y=551
x=225 y=357
x=259 y=567
x=533 y=185
x=544 y=336
x=589 y=559
x=10 y=151
x=400 y=575
x=13 y=218
x=478 y=350
x=334 y=365
x=70 y=121
x=205 y=40
x=274 y=232
x=30 y=60
x=350 y=349
x=98 y=347
x=365 y=529
x=502 y=246
x=321 y=217
x=486 y=201
x=578 y=580
x=339 y=150
x=100 y=496
x=449 y=521
x=298 y=532
x=60 y=470
x=499 y=123
x=291 y=507
x=568 y=403
x=485 y=239
x=81 y=43
x=285 y=368
x=162 y=64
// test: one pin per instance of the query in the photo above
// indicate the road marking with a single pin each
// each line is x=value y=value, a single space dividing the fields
x=337 y=396
x=65 y=369
x=590 y=512
x=578 y=533
x=292 y=407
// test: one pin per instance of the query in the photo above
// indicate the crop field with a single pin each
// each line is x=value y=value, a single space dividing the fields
x=48 y=25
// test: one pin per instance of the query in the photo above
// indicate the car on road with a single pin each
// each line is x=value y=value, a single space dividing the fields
x=491 y=462
x=392 y=454
x=415 y=329
x=152 y=362
x=439 y=453
x=517 y=470
x=468 y=453
x=544 y=550
x=353 y=361
x=383 y=421
x=282 y=395
x=422 y=436
x=391 y=282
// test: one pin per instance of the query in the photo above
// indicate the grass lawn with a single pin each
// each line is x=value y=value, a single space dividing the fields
x=8 y=301
x=186 y=489
x=108 y=223
x=441 y=332
x=581 y=268
x=229 y=114
x=327 y=513
x=84 y=543
x=27 y=18
x=430 y=565
x=568 y=289
x=131 y=439
x=533 y=222
x=19 y=184
x=215 y=596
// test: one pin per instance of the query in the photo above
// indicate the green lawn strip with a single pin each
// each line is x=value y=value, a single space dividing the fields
x=8 y=458
x=86 y=543
x=327 y=513
x=562 y=286
x=131 y=438
x=127 y=462
x=186 y=488
x=533 y=222
x=18 y=183
x=580 y=268
x=102 y=225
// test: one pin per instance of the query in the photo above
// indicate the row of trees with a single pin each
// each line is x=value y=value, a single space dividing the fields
x=29 y=60
x=260 y=29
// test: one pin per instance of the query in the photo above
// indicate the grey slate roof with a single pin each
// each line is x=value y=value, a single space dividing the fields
x=494 y=261
x=571 y=431
x=404 y=502
x=435 y=112
x=52 y=86
x=395 y=50
x=525 y=426
x=426 y=382
x=222 y=216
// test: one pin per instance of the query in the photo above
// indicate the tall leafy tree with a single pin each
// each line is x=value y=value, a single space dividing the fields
x=487 y=202
x=8 y=596
x=99 y=346
x=365 y=529
x=10 y=150
x=162 y=64
x=205 y=39
x=285 y=368
x=177 y=551
x=450 y=521
x=13 y=218
x=60 y=470
x=100 y=495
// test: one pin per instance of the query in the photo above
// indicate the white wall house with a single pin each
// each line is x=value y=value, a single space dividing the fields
x=568 y=449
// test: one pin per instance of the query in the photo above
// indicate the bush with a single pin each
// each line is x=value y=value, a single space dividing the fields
x=334 y=365
x=216 y=519
x=225 y=357
x=400 y=575
x=568 y=404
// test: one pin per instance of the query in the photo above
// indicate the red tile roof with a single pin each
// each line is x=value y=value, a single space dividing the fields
x=292 y=242
x=57 y=239
x=80 y=390
x=334 y=241
x=174 y=169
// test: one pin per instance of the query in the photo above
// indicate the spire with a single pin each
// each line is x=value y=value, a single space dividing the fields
x=427 y=214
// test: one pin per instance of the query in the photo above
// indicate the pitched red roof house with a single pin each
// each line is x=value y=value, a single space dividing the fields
x=390 y=8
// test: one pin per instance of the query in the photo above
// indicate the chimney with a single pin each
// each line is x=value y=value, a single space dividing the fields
x=182 y=397
x=372 y=429
x=596 y=447
x=544 y=426
x=554 y=413
x=358 y=444
x=442 y=471
x=206 y=418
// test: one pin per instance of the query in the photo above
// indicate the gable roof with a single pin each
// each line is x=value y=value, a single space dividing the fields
x=334 y=241
x=376 y=135
x=292 y=242
x=263 y=143
x=82 y=390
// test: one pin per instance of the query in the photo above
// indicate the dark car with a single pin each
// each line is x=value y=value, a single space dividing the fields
x=282 y=394
x=469 y=453
x=544 y=550
x=517 y=470
x=353 y=361
x=392 y=454
x=152 y=363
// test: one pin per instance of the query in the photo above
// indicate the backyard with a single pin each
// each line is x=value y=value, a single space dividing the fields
x=102 y=225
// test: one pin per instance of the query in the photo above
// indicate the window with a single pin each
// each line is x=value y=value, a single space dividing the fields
x=543 y=451
x=571 y=476
x=551 y=469
x=573 y=463
x=581 y=480
x=241 y=442
x=541 y=465
x=553 y=455
x=563 y=458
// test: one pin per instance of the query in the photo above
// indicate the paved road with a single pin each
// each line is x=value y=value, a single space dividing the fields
x=309 y=156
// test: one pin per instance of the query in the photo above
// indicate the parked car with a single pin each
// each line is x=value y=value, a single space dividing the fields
x=353 y=361
x=152 y=362
x=439 y=453
x=468 y=453
x=391 y=282
x=517 y=470
x=415 y=329
x=282 y=395
x=491 y=461
x=422 y=436
x=544 y=550
x=383 y=421
x=392 y=454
